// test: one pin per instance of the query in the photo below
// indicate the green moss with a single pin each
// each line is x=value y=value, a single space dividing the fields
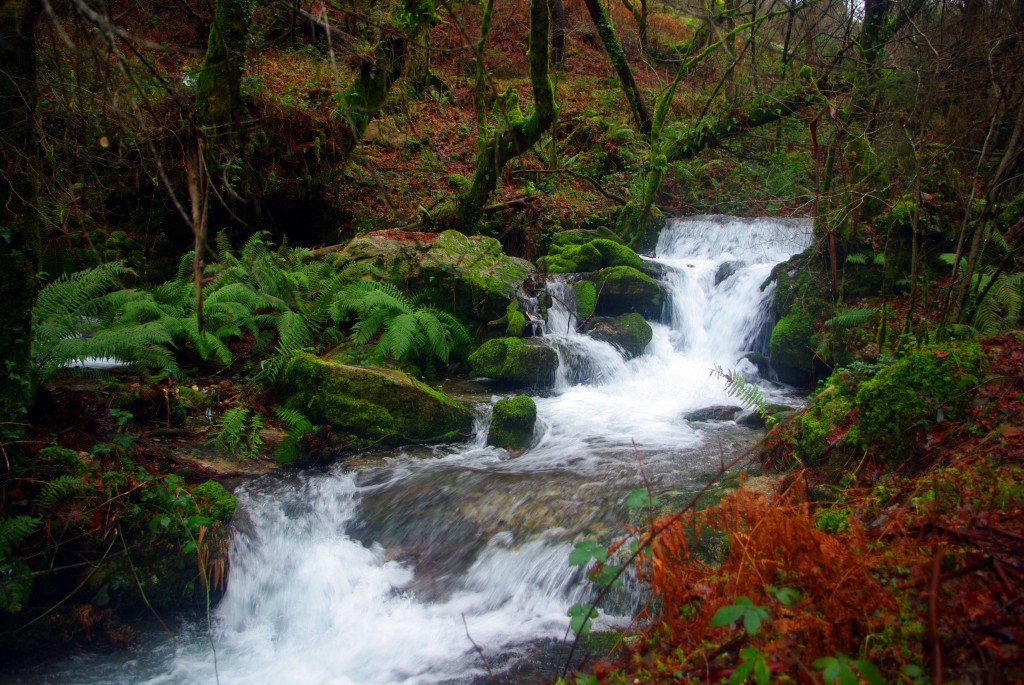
x=515 y=361
x=62 y=460
x=216 y=500
x=579 y=236
x=623 y=289
x=516 y=319
x=617 y=254
x=573 y=259
x=917 y=391
x=380 y=406
x=512 y=422
x=792 y=351
x=586 y=299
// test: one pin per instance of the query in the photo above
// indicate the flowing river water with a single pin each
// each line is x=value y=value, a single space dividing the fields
x=381 y=572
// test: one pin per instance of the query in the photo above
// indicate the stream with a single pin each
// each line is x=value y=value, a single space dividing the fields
x=388 y=570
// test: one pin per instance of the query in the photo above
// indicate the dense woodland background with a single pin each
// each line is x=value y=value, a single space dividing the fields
x=178 y=176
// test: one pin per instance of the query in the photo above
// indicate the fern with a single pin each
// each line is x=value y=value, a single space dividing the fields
x=407 y=330
x=58 y=490
x=80 y=316
x=15 y=575
x=13 y=530
x=747 y=393
x=294 y=420
x=850 y=318
x=238 y=432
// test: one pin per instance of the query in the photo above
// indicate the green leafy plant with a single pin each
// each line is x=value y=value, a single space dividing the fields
x=743 y=610
x=749 y=394
x=753 y=664
x=238 y=432
x=80 y=316
x=840 y=669
x=408 y=331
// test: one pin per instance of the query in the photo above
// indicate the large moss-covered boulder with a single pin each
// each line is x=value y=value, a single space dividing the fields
x=792 y=351
x=472 y=272
x=623 y=289
x=596 y=253
x=516 y=361
x=370 y=405
x=629 y=332
x=512 y=421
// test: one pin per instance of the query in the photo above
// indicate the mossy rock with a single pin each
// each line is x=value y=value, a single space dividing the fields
x=580 y=236
x=371 y=405
x=629 y=332
x=54 y=461
x=617 y=254
x=917 y=391
x=572 y=259
x=215 y=500
x=512 y=422
x=515 y=319
x=473 y=272
x=590 y=256
x=792 y=350
x=623 y=289
x=586 y=298
x=516 y=361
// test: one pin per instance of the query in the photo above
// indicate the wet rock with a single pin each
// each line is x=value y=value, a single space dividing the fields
x=629 y=332
x=516 y=361
x=754 y=419
x=727 y=269
x=512 y=422
x=716 y=412
x=792 y=348
x=370 y=405
x=623 y=289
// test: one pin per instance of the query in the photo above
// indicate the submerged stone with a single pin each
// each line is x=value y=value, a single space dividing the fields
x=512 y=422
x=371 y=405
x=516 y=361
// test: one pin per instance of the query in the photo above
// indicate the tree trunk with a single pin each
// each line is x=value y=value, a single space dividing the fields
x=521 y=133
x=621 y=65
x=557 y=11
x=19 y=221
x=219 y=84
x=365 y=97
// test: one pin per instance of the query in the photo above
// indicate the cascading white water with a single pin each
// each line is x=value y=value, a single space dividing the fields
x=377 y=575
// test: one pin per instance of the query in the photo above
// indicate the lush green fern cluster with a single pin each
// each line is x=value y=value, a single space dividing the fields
x=409 y=331
x=286 y=299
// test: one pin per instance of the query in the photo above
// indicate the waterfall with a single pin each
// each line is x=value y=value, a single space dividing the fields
x=377 y=575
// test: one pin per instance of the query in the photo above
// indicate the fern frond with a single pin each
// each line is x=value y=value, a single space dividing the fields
x=849 y=318
x=13 y=530
x=295 y=421
x=402 y=334
x=58 y=490
x=747 y=393
x=231 y=428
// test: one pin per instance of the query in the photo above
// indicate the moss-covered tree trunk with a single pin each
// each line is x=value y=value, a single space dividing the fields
x=521 y=132
x=19 y=222
x=621 y=65
x=363 y=100
x=219 y=84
